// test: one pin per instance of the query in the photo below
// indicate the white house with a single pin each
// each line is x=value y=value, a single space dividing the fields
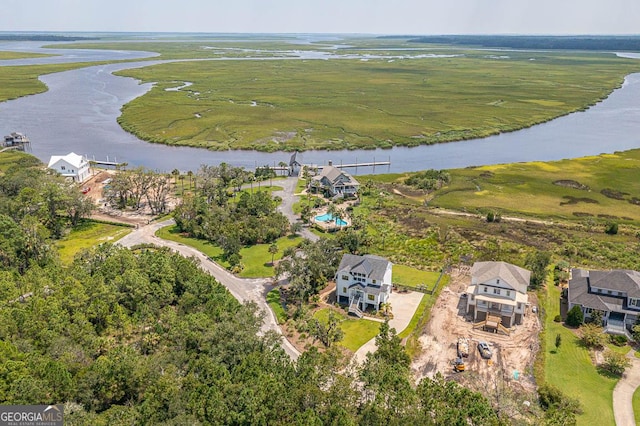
x=72 y=165
x=363 y=281
x=336 y=181
x=498 y=293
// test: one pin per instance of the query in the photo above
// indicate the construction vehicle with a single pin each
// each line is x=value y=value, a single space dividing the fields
x=458 y=365
x=463 y=347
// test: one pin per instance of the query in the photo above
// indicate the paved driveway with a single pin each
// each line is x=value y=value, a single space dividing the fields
x=623 y=393
x=403 y=306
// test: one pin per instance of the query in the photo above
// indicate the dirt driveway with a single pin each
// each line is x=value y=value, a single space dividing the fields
x=513 y=355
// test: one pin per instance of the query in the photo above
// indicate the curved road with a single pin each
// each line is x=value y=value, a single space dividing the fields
x=623 y=393
x=243 y=289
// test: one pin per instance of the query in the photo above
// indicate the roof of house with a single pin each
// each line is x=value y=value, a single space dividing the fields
x=333 y=174
x=72 y=158
x=617 y=280
x=296 y=159
x=370 y=266
x=513 y=275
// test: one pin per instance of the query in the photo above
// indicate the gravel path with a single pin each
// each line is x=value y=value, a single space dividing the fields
x=243 y=289
x=286 y=207
x=623 y=393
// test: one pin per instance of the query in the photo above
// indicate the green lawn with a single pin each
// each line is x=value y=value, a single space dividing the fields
x=357 y=332
x=86 y=235
x=273 y=299
x=636 y=405
x=571 y=370
x=412 y=277
x=256 y=259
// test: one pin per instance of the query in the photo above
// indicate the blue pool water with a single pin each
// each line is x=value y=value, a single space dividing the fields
x=328 y=218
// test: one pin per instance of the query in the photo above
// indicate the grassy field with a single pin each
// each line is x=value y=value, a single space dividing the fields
x=604 y=186
x=571 y=370
x=5 y=55
x=273 y=299
x=636 y=405
x=256 y=259
x=357 y=332
x=338 y=104
x=87 y=235
x=412 y=277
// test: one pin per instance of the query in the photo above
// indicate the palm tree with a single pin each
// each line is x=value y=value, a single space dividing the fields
x=273 y=249
x=175 y=173
x=283 y=165
x=190 y=174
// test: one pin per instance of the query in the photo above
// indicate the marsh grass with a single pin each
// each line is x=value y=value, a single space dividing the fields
x=348 y=104
x=532 y=189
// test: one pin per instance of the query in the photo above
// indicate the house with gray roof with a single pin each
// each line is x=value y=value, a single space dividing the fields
x=498 y=293
x=615 y=293
x=336 y=181
x=363 y=282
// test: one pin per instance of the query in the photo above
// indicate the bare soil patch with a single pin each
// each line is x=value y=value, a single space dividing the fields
x=513 y=356
x=567 y=183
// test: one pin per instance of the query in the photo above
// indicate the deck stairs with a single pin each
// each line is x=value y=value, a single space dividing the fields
x=353 y=307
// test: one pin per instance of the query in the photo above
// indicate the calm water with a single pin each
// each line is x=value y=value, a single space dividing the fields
x=79 y=113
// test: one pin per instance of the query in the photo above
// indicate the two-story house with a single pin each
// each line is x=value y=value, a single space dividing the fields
x=498 y=290
x=363 y=282
x=72 y=165
x=336 y=181
x=615 y=293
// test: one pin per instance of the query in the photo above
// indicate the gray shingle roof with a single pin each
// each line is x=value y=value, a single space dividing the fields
x=617 y=280
x=513 y=275
x=334 y=173
x=371 y=266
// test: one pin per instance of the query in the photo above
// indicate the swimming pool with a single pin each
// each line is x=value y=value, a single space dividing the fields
x=328 y=218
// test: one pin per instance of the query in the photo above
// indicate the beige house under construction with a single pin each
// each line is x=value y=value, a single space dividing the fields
x=497 y=294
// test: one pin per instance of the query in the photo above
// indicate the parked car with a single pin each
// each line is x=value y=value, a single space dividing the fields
x=484 y=349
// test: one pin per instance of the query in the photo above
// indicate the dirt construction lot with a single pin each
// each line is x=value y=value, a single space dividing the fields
x=513 y=356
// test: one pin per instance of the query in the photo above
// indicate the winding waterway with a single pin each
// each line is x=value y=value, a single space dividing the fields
x=78 y=113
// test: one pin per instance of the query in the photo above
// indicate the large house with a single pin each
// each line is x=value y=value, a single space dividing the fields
x=336 y=181
x=363 y=282
x=498 y=293
x=72 y=166
x=616 y=294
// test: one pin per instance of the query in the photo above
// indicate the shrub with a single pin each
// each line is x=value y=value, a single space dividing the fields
x=618 y=340
x=592 y=336
x=491 y=217
x=615 y=363
x=575 y=317
x=550 y=397
x=611 y=228
x=557 y=318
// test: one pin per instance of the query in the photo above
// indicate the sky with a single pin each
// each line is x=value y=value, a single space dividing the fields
x=413 y=17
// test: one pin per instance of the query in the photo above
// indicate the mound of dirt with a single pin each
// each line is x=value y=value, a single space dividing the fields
x=568 y=183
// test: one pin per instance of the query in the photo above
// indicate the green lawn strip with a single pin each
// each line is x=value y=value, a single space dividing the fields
x=570 y=369
x=636 y=405
x=257 y=259
x=412 y=277
x=273 y=299
x=172 y=233
x=87 y=235
x=5 y=55
x=357 y=332
x=619 y=349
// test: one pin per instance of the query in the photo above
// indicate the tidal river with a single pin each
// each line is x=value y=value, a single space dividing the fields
x=78 y=113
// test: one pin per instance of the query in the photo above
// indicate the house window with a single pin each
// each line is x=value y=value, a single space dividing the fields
x=519 y=305
x=609 y=291
x=508 y=293
x=496 y=291
x=345 y=277
x=344 y=289
x=371 y=297
x=63 y=168
x=498 y=281
x=485 y=290
x=588 y=310
x=472 y=297
x=374 y=281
